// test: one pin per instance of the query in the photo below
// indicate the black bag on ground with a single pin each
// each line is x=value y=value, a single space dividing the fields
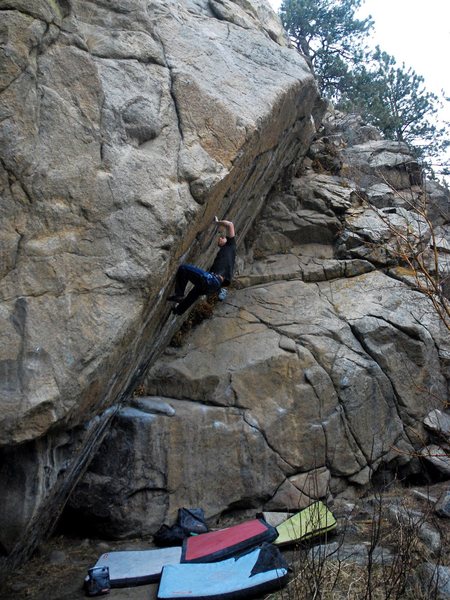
x=189 y=521
x=96 y=582
x=169 y=536
x=192 y=520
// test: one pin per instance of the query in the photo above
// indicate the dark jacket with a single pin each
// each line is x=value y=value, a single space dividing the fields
x=224 y=262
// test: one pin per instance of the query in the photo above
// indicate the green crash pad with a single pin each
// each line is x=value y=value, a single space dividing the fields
x=313 y=520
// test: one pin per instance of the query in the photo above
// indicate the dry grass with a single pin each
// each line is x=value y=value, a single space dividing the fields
x=342 y=581
x=317 y=577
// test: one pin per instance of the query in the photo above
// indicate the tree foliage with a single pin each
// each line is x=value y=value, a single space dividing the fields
x=330 y=37
x=391 y=97
x=395 y=100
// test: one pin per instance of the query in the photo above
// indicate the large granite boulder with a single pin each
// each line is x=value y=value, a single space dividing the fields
x=299 y=376
x=322 y=365
x=125 y=126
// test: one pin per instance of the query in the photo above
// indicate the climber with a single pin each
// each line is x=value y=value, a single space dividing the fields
x=207 y=282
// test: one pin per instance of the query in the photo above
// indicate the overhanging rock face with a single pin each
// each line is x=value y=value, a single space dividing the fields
x=125 y=127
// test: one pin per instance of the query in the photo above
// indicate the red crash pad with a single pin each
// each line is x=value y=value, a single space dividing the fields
x=221 y=544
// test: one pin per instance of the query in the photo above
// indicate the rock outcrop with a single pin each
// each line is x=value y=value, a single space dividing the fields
x=125 y=126
x=313 y=377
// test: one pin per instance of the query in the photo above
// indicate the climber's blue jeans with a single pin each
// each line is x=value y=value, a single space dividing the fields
x=204 y=283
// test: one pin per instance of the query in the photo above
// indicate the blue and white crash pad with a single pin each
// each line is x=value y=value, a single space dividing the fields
x=136 y=567
x=259 y=571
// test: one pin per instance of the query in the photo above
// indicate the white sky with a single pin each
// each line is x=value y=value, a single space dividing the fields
x=415 y=32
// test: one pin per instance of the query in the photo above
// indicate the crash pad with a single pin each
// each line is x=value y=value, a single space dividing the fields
x=276 y=518
x=136 y=567
x=221 y=544
x=258 y=572
x=309 y=522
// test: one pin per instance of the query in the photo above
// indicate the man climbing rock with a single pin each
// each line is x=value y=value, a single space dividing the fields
x=207 y=282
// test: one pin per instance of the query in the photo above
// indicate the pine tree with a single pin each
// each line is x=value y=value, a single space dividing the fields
x=391 y=97
x=329 y=36
x=395 y=100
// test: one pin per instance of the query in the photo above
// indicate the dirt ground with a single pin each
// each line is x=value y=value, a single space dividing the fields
x=57 y=571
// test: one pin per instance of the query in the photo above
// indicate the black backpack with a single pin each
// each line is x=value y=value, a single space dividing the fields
x=190 y=520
